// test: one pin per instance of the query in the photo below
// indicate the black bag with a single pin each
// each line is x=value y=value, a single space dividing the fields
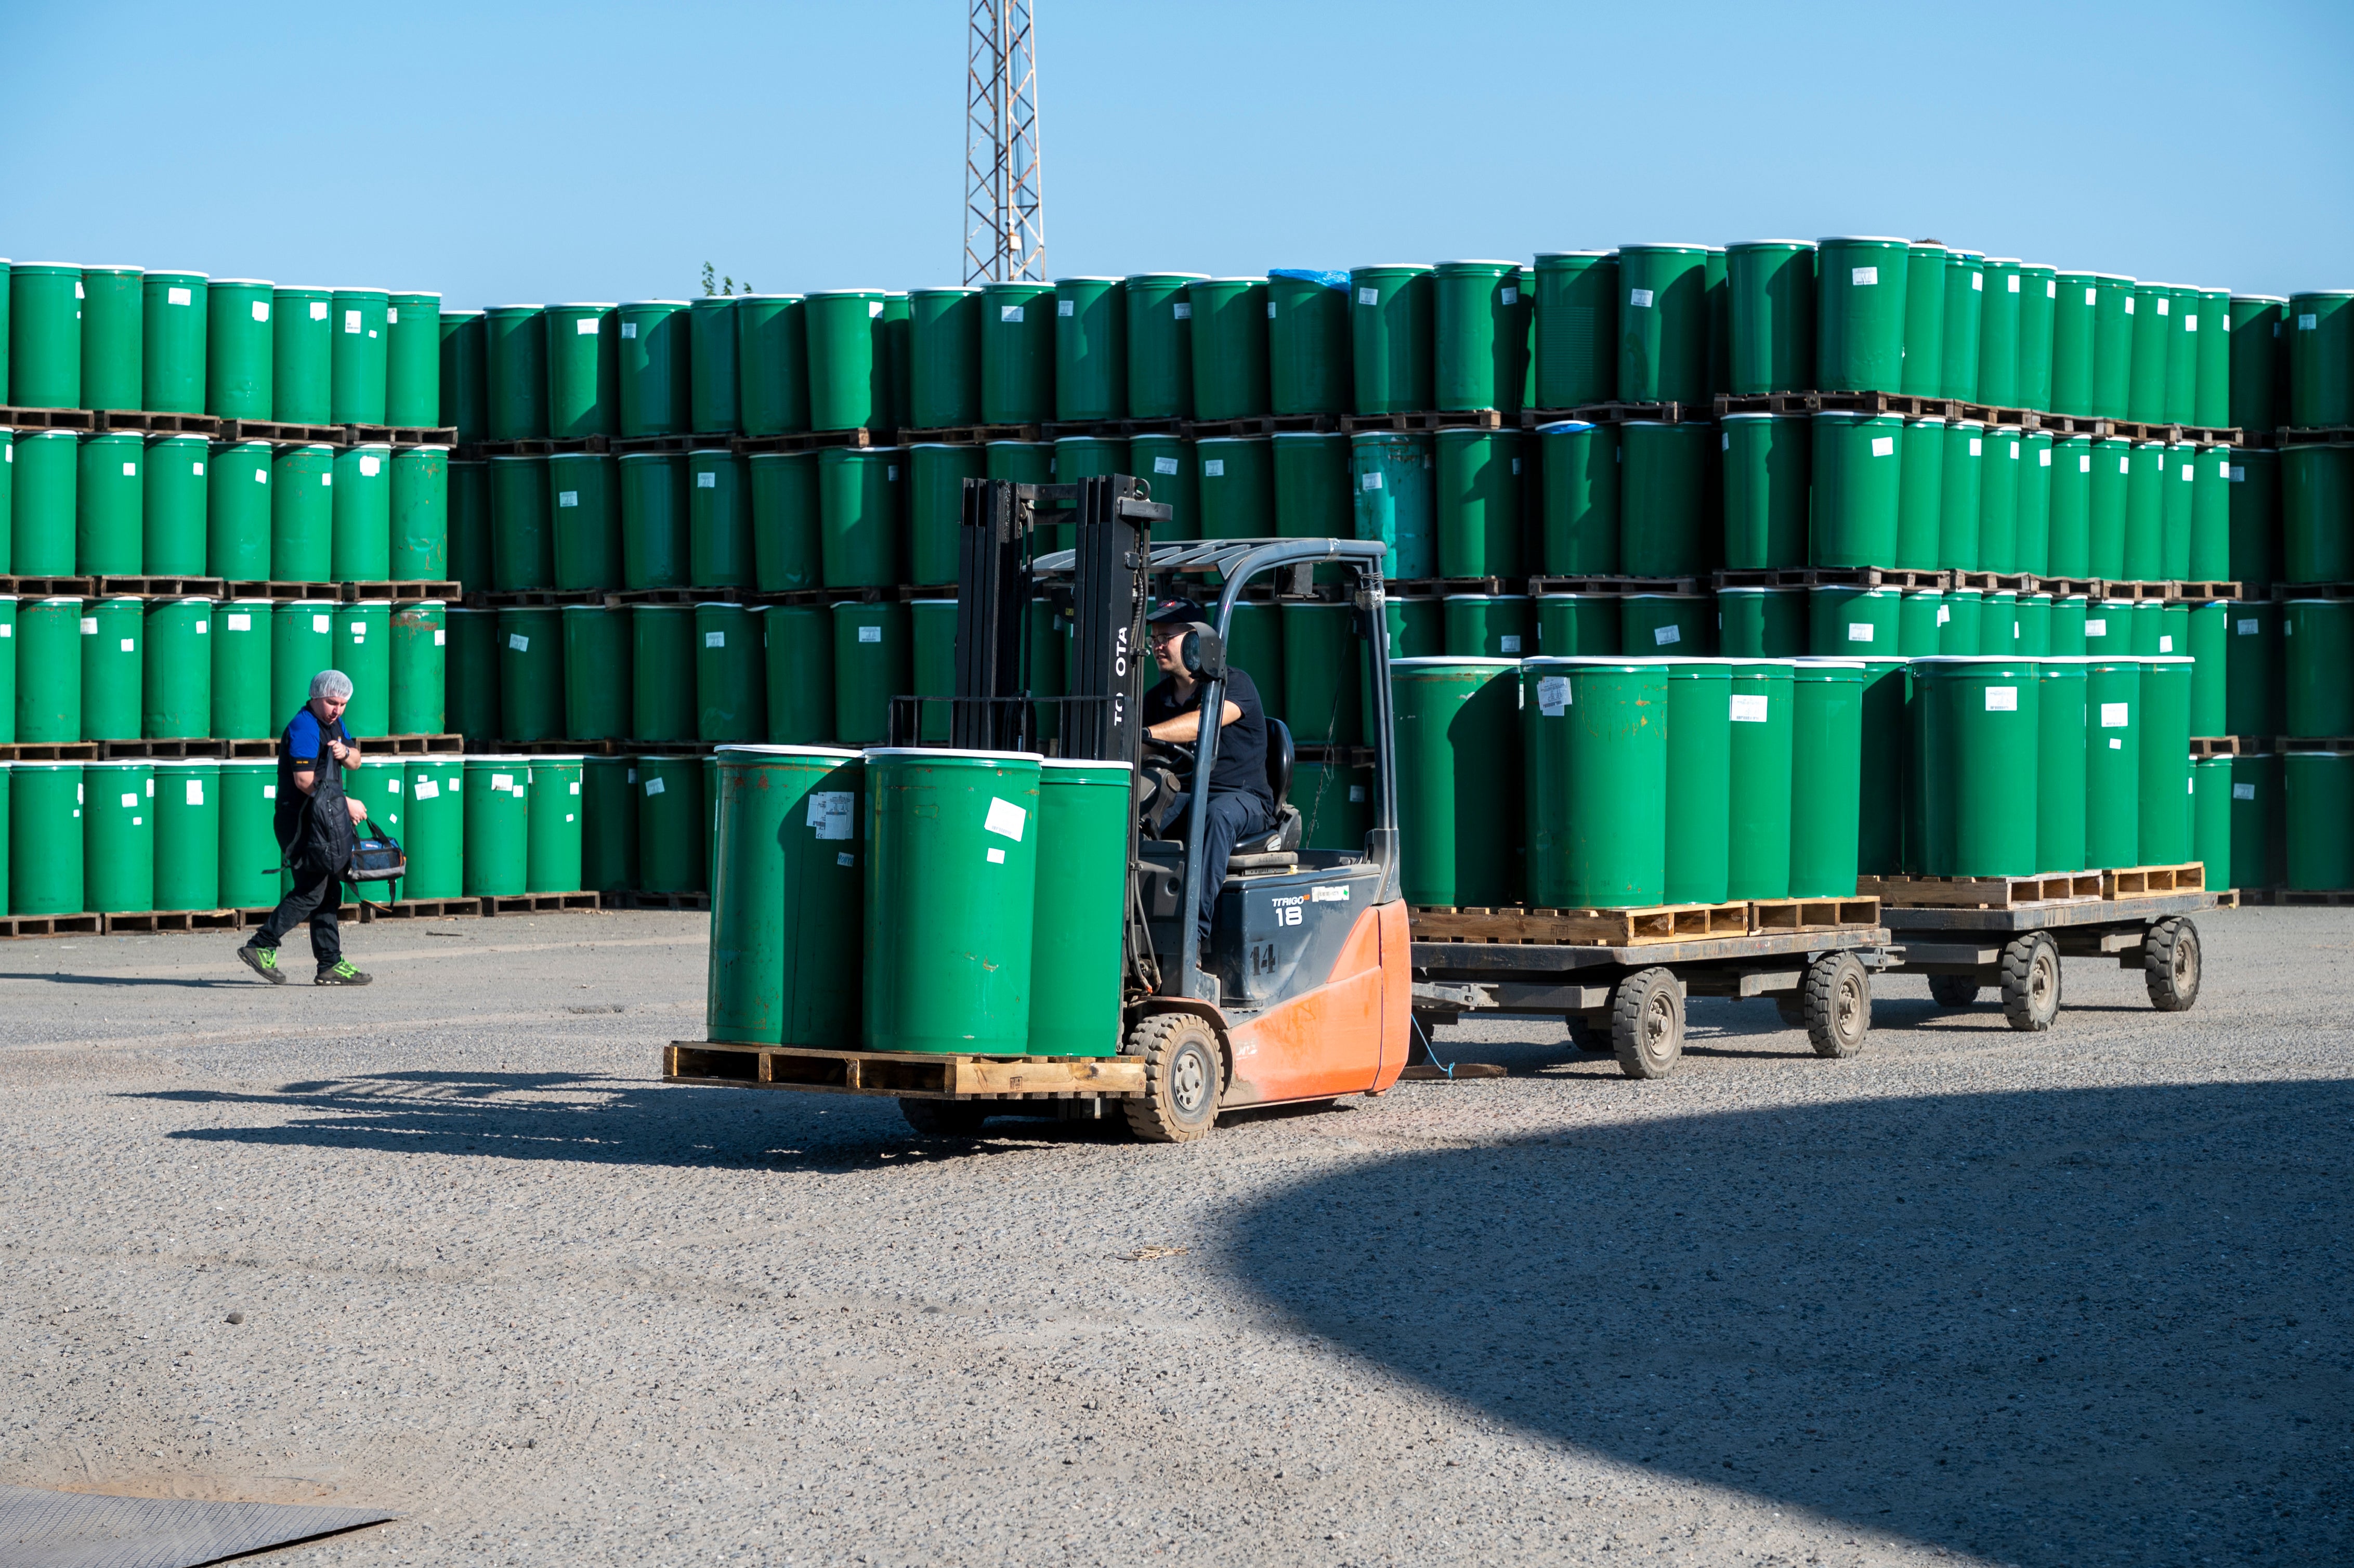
x=376 y=857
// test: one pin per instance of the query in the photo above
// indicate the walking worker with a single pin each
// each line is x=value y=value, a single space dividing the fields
x=1240 y=802
x=315 y=822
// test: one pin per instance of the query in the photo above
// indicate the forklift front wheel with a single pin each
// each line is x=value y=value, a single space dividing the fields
x=1647 y=1023
x=1183 y=1078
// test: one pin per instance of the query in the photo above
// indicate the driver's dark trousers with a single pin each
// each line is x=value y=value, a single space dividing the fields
x=1235 y=815
x=317 y=897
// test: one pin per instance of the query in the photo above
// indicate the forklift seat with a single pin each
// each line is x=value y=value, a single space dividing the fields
x=1283 y=838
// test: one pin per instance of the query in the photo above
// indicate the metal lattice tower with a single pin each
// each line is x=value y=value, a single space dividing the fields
x=1005 y=226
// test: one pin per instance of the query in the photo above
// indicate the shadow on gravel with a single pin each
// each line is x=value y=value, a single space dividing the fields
x=57 y=979
x=2048 y=1328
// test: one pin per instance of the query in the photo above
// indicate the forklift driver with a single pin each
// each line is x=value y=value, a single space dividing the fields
x=1241 y=802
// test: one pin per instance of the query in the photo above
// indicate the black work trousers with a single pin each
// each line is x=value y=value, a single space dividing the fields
x=317 y=897
x=1234 y=815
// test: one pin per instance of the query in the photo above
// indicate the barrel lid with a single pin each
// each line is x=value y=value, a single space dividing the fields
x=1260 y=281
x=1559 y=427
x=1695 y=424
x=2323 y=294
x=1729 y=419
x=537 y=307
x=1086 y=762
x=1543 y=597
x=1591 y=661
x=1980 y=659
x=65 y=266
x=1732 y=245
x=1438 y=659
x=633 y=304
x=1693 y=246
x=182 y=598
x=920 y=445
x=627 y=457
x=1080 y=277
x=541 y=457
x=458 y=313
x=1809 y=662
x=1163 y=277
x=714 y=301
x=2037 y=267
x=2160 y=445
x=371 y=604
x=1484 y=597
x=415 y=293
x=1691 y=596
x=2002 y=261
x=182 y=764
x=179 y=272
x=704 y=451
x=314 y=603
x=1392 y=267
x=1977 y=256
x=2264 y=298
x=1958 y=593
x=935 y=289
x=538 y=758
x=118 y=268
x=1202 y=441
x=1865 y=239
x=1060 y=439
x=1971 y=424
x=1544 y=255
x=361 y=289
x=841 y=754
x=946 y=754
x=1481 y=262
x=772 y=296
x=132 y=598
x=584 y=306
x=815 y=294
x=1759 y=587
x=369 y=446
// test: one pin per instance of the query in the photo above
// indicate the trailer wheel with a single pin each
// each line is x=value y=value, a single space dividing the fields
x=1953 y=990
x=2030 y=983
x=944 y=1118
x=1183 y=1078
x=1838 y=1002
x=2169 y=964
x=1647 y=1023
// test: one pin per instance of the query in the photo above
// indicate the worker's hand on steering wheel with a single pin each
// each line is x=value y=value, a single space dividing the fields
x=1176 y=749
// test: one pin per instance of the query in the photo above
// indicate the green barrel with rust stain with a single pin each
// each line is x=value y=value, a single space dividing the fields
x=2317 y=651
x=2112 y=747
x=553 y=828
x=596 y=672
x=472 y=690
x=1761 y=623
x=1017 y=352
x=1594 y=738
x=1697 y=796
x=109 y=505
x=465 y=380
x=302 y=513
x=523 y=543
x=433 y=827
x=2033 y=530
x=772 y=360
x=113 y=333
x=303 y=355
x=1961 y=495
x=412 y=360
x=1978 y=750
x=1308 y=363
x=250 y=855
x=584 y=370
x=1090 y=364
x=2317 y=820
x=931 y=666
x=786 y=552
x=2074 y=315
x=357 y=361
x=1663 y=491
x=1576 y=625
x=1767 y=466
x=1479 y=335
x=1081 y=891
x=608 y=824
x=2060 y=761
x=2209 y=645
x=45 y=332
x=1391 y=350
x=1170 y=465
x=516 y=372
x=498 y=826
x=719 y=519
x=1999 y=332
x=118 y=836
x=2210 y=515
x=862 y=501
x=45 y=839
x=1998 y=500
x=731 y=680
x=173 y=498
x=1477 y=506
x=1758 y=861
x=176 y=681
x=1229 y=339
x=1920 y=494
x=114 y=661
x=46 y=467
x=417 y=674
x=2254 y=503
x=1859 y=313
x=944 y=358
x=1237 y=486
x=419 y=520
x=2316 y=526
x=712 y=374
x=936 y=476
x=2251 y=670
x=1322 y=699
x=2039 y=291
x=1579 y=489
x=1312 y=482
x=654 y=531
x=1458 y=779
x=531 y=673
x=2257 y=361
x=174 y=314
x=585 y=519
x=873 y=663
x=1576 y=327
x=787 y=910
x=1490 y=626
x=1770 y=305
x=849 y=364
x=663 y=704
x=360 y=540
x=1393 y=479
x=1924 y=375
x=657 y=366
x=1965 y=319
x=186 y=816
x=674 y=825
x=952 y=881
x=243 y=693
x=1844 y=621
x=2165 y=761
x=1826 y=778
x=1857 y=490
x=1160 y=345
x=1668 y=625
x=1663 y=323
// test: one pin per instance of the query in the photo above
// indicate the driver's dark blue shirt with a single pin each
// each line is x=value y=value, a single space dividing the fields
x=302 y=748
x=1242 y=744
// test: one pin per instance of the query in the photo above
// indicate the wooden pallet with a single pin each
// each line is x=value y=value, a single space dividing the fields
x=1419 y=419
x=146 y=920
x=155 y=588
x=403 y=590
x=52 y=925
x=1578 y=928
x=1982 y=892
x=2204 y=592
x=684 y=902
x=1616 y=413
x=1995 y=582
x=676 y=445
x=1834 y=576
x=180 y=747
x=909 y=1074
x=280 y=431
x=1620 y=586
x=150 y=422
x=2289 y=436
x=527 y=599
x=2115 y=591
x=2143 y=881
x=400 y=435
x=2335 y=745
x=955 y=435
x=49 y=751
x=281 y=591
x=420 y=909
x=2300 y=898
x=568 y=445
x=803 y=442
x=46 y=588
x=2069 y=588
x=17 y=419
x=538 y=903
x=1771 y=915
x=2282 y=592
x=2220 y=745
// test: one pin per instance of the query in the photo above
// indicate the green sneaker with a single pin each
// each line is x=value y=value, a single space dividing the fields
x=340 y=972
x=262 y=962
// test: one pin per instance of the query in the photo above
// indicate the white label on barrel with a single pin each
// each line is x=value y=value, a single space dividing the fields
x=830 y=814
x=195 y=792
x=2116 y=746
x=2186 y=471
x=1977 y=281
x=1944 y=614
x=2051 y=288
x=197 y=469
x=518 y=642
x=129 y=800
x=2125 y=464
x=261 y=310
x=130 y=470
x=1509 y=642
x=846 y=858
x=629 y=329
x=1213 y=468
x=426 y=789
x=359 y=630
x=2114 y=716
x=269 y=792
x=2002 y=699
x=1858 y=632
x=1005 y=819
x=714 y=640
x=1640 y=298
x=261 y=476
x=2014 y=451
x=1977 y=447
x=2247 y=629
x=584 y=326
x=368 y=467
x=1863 y=277
x=1884 y=446
x=2096 y=628
x=1553 y=694
x=437 y=636
x=2190 y=322
x=891 y=471
x=203 y=626
x=241 y=622
x=1071 y=308
x=318 y=309
x=7 y=632
x=1511 y=296
x=327 y=479
x=90 y=626
x=178 y=297
x=875 y=308
x=1516 y=465
x=1181 y=311
x=1164 y=465
x=2162 y=303
x=1369 y=296
x=324 y=623
x=1356 y=792
x=2244 y=792
x=391 y=316
x=567 y=498
x=575 y=790
x=1372 y=482
x=2044 y=457
x=2191 y=786
x=1270 y=309
x=2308 y=323
x=1748 y=707
x=706 y=481
x=131 y=647
x=1005 y=312
x=2166 y=644
x=352 y=322
x=2224 y=468
x=997 y=857
x=870 y=634
x=2083 y=463
x=2014 y=283
x=1724 y=441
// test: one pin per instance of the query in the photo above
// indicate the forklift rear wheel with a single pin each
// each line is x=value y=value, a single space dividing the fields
x=1647 y=1023
x=1838 y=1004
x=2030 y=983
x=1183 y=1078
x=944 y=1118
x=1953 y=990
x=2169 y=964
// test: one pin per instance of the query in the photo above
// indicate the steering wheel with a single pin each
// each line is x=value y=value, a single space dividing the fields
x=1176 y=750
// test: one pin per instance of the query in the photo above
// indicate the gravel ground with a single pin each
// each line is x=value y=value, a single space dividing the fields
x=1974 y=1296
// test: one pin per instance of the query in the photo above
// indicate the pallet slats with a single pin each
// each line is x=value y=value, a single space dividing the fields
x=1639 y=927
x=2141 y=881
x=909 y=1074
x=1982 y=892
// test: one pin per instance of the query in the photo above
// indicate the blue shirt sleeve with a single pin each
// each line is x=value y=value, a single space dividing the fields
x=302 y=738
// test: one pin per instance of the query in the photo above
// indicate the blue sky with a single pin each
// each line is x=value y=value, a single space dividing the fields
x=503 y=152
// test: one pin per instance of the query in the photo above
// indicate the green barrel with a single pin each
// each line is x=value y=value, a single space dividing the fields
x=302 y=513
x=1478 y=335
x=1758 y=862
x=898 y=374
x=786 y=909
x=2069 y=507
x=361 y=515
x=2316 y=651
x=471 y=692
x=1826 y=778
x=1458 y=779
x=1998 y=500
x=173 y=318
x=45 y=839
x=2211 y=395
x=1081 y=891
x=1335 y=805
x=653 y=520
x=731 y=684
x=363 y=650
x=2075 y=296
x=432 y=830
x=656 y=379
x=873 y=663
x=712 y=373
x=2258 y=323
x=2317 y=502
x=1921 y=491
x=2208 y=645
x=1088 y=457
x=1860 y=314
x=1719 y=327
x=2039 y=292
x=418 y=659
x=849 y=368
x=498 y=826
x=1767 y=464
x=1667 y=625
x=2060 y=800
x=936 y=476
x=2211 y=819
x=2107 y=502
x=1307 y=368
x=1322 y=690
x=944 y=358
x=1017 y=352
x=1961 y=495
x=2108 y=630
x=2034 y=639
x=1488 y=626
x=1595 y=737
x=1255 y=645
x=1925 y=319
x=1921 y=616
x=1416 y=627
x=597 y=686
x=1312 y=484
x=583 y=370
x=2147 y=628
x=1391 y=479
x=109 y=505
x=177 y=684
x=1663 y=526
x=2165 y=761
x=585 y=547
x=243 y=693
x=674 y=825
x=772 y=361
x=1697 y=796
x=2151 y=319
x=553 y=828
x=47 y=465
x=1965 y=316
x=1850 y=623
x=531 y=673
x=357 y=360
x=1858 y=491
x=2113 y=345
x=1169 y=466
x=1981 y=719
x=119 y=836
x=113 y=332
x=1576 y=331
x=2256 y=812
x=172 y=505
x=2210 y=515
x=1019 y=462
x=1391 y=350
x=2316 y=812
x=1761 y=623
x=932 y=665
x=249 y=857
x=661 y=673
x=516 y=372
x=719 y=520
x=380 y=785
x=787 y=556
x=1770 y=301
x=608 y=824
x=860 y=515
x=464 y=391
x=1883 y=750
x=187 y=818
x=2178 y=490
x=2033 y=528
x=45 y=330
x=7 y=692
x=2113 y=735
x=1237 y=486
x=302 y=355
x=1662 y=324
x=113 y=643
x=2183 y=355
x=1998 y=625
x=1579 y=515
x=419 y=519
x=237 y=511
x=1999 y=333
x=2251 y=656
x=1161 y=346
x=412 y=360
x=1578 y=625
x=523 y=543
x=470 y=524
x=1229 y=340
x=1477 y=508
x=1090 y=361
x=2145 y=534
x=798 y=641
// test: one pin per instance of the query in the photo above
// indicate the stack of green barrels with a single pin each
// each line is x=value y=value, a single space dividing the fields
x=121 y=502
x=2312 y=778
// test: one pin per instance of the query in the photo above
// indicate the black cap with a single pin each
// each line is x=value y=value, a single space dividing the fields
x=1175 y=612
